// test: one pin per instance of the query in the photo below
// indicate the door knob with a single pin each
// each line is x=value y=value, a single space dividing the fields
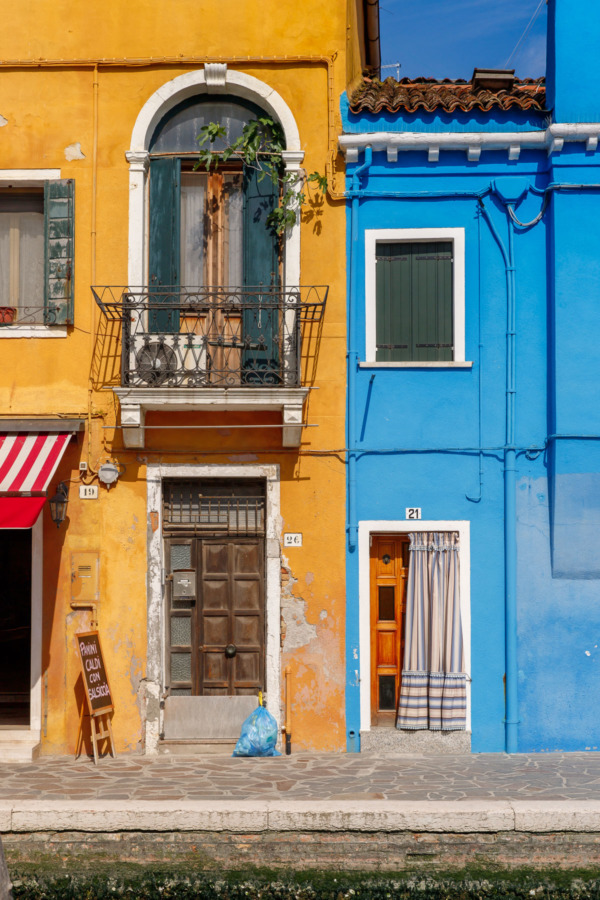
x=230 y=651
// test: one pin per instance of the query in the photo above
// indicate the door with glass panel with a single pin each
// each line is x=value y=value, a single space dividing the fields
x=215 y=628
x=388 y=571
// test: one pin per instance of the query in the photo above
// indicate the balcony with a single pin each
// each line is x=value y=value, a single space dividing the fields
x=212 y=348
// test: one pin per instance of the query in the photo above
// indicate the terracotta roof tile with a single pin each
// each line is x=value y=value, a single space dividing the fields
x=411 y=94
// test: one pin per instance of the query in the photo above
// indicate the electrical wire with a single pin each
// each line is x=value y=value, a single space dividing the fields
x=528 y=28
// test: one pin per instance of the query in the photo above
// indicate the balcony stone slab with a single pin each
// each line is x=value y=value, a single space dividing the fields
x=136 y=402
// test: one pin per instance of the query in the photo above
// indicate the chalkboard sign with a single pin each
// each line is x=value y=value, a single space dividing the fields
x=95 y=678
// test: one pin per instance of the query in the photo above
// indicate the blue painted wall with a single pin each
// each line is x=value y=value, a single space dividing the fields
x=418 y=430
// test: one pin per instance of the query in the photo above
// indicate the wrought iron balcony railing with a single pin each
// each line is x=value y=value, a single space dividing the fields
x=205 y=337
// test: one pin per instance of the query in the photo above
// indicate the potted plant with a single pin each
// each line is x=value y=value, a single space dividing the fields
x=8 y=314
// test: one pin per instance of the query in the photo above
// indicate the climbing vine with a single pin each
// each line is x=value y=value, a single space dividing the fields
x=260 y=146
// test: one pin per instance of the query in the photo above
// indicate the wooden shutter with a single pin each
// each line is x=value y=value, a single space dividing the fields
x=165 y=215
x=261 y=362
x=414 y=303
x=432 y=301
x=393 y=303
x=59 y=233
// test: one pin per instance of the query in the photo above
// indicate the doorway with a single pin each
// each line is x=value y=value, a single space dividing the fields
x=15 y=628
x=215 y=634
x=388 y=574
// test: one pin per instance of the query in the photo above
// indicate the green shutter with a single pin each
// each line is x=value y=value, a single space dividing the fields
x=261 y=361
x=59 y=232
x=165 y=221
x=393 y=303
x=414 y=303
x=432 y=301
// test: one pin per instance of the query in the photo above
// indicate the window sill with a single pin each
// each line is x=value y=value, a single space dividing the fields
x=448 y=364
x=33 y=331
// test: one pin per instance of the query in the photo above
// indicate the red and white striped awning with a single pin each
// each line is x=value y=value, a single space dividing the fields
x=28 y=460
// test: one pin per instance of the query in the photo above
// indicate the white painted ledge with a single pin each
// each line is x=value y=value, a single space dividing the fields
x=552 y=139
x=416 y=365
x=33 y=331
x=136 y=402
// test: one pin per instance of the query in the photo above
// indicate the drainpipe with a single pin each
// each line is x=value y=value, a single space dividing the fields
x=511 y=719
x=355 y=193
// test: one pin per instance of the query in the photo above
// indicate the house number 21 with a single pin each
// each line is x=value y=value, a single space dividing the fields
x=413 y=512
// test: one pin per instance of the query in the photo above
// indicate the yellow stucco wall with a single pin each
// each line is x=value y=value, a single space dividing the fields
x=48 y=108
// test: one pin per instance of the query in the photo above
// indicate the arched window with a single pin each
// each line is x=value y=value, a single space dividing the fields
x=208 y=229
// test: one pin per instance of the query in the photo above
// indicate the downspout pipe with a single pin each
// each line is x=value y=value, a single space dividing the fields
x=355 y=194
x=511 y=719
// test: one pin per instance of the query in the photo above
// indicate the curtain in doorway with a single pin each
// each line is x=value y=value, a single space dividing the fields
x=433 y=693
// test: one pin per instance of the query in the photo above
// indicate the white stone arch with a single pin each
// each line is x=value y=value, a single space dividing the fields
x=213 y=79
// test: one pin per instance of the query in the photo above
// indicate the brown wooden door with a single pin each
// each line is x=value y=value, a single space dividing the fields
x=217 y=640
x=389 y=568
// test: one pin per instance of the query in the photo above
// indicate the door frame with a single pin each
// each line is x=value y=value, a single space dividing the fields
x=365 y=529
x=156 y=636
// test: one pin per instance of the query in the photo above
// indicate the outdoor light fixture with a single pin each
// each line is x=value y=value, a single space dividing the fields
x=58 y=504
x=108 y=473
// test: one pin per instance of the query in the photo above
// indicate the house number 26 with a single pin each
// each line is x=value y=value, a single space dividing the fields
x=413 y=512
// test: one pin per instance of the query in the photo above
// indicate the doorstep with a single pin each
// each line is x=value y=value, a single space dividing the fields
x=223 y=746
x=19 y=745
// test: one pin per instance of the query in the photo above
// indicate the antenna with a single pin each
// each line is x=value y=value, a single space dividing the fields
x=397 y=66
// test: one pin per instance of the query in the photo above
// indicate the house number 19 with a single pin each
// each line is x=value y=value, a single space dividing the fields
x=413 y=512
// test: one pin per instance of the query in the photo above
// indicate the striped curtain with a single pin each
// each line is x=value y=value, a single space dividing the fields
x=433 y=693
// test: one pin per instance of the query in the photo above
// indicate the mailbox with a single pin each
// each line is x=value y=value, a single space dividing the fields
x=184 y=584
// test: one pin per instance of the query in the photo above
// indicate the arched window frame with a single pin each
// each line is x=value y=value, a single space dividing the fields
x=214 y=79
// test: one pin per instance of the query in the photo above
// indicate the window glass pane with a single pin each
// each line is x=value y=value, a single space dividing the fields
x=386 y=604
x=387 y=692
x=179 y=130
x=193 y=216
x=232 y=241
x=31 y=258
x=180 y=692
x=181 y=631
x=5 y=259
x=181 y=667
x=181 y=556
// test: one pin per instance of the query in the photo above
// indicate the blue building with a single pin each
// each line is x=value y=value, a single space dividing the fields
x=473 y=564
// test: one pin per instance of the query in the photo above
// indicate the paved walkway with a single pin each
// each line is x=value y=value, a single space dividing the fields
x=304 y=776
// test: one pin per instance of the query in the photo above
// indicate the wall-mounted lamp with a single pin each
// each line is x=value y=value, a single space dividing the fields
x=58 y=504
x=108 y=473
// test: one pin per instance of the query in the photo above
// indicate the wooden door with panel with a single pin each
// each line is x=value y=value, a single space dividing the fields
x=388 y=571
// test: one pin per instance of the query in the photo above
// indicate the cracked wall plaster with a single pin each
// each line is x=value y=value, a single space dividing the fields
x=296 y=631
x=3 y=121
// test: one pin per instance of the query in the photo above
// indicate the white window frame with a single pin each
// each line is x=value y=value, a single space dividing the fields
x=34 y=178
x=404 y=235
x=402 y=526
x=229 y=84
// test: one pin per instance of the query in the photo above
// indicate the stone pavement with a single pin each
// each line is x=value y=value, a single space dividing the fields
x=343 y=811
x=307 y=776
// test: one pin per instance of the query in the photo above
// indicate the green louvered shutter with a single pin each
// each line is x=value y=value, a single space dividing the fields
x=165 y=223
x=414 y=303
x=432 y=301
x=59 y=232
x=393 y=303
x=261 y=361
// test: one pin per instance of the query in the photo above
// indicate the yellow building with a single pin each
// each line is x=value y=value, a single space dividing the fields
x=173 y=367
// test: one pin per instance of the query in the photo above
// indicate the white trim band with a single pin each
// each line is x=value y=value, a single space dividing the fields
x=552 y=140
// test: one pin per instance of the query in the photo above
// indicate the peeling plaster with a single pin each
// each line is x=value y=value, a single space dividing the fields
x=296 y=631
x=3 y=121
x=73 y=151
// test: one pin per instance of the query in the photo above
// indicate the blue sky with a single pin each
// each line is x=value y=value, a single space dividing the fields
x=449 y=38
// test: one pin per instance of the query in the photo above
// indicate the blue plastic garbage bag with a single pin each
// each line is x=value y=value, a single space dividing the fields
x=259 y=735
